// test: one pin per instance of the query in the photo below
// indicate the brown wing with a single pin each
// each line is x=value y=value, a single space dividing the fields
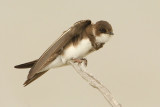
x=53 y=51
x=36 y=76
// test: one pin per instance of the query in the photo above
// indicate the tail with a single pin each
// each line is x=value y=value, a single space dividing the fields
x=29 y=65
x=26 y=65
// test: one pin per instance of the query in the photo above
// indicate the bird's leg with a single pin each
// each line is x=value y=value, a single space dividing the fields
x=79 y=61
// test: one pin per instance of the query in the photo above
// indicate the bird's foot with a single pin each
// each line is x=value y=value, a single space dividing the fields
x=79 y=61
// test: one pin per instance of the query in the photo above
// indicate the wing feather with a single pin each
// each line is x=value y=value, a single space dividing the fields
x=36 y=76
x=53 y=51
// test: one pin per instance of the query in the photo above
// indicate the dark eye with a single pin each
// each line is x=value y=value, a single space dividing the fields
x=102 y=30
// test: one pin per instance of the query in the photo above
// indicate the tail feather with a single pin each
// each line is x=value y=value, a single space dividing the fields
x=26 y=65
x=36 y=76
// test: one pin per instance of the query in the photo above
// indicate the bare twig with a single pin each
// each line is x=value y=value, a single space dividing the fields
x=81 y=70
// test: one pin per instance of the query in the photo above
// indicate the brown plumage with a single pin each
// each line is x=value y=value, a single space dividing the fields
x=82 y=30
x=53 y=51
x=36 y=76
x=103 y=27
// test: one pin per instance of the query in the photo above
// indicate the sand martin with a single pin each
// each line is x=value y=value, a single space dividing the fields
x=75 y=43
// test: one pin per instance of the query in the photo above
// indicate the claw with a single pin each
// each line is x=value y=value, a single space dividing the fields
x=85 y=61
x=79 y=61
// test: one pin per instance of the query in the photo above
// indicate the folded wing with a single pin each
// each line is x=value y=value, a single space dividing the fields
x=55 y=49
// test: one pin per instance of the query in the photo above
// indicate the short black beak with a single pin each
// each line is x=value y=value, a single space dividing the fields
x=111 y=33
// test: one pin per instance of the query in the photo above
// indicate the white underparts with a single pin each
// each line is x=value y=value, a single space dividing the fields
x=72 y=52
x=78 y=51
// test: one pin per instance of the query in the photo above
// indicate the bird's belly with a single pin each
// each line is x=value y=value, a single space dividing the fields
x=72 y=52
x=78 y=51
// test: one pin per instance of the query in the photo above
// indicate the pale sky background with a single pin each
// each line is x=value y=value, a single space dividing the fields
x=128 y=65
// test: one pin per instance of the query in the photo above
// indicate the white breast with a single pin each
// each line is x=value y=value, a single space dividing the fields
x=78 y=51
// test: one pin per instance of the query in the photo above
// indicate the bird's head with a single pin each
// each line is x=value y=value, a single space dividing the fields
x=102 y=31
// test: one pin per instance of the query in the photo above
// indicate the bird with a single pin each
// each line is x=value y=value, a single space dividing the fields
x=81 y=39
